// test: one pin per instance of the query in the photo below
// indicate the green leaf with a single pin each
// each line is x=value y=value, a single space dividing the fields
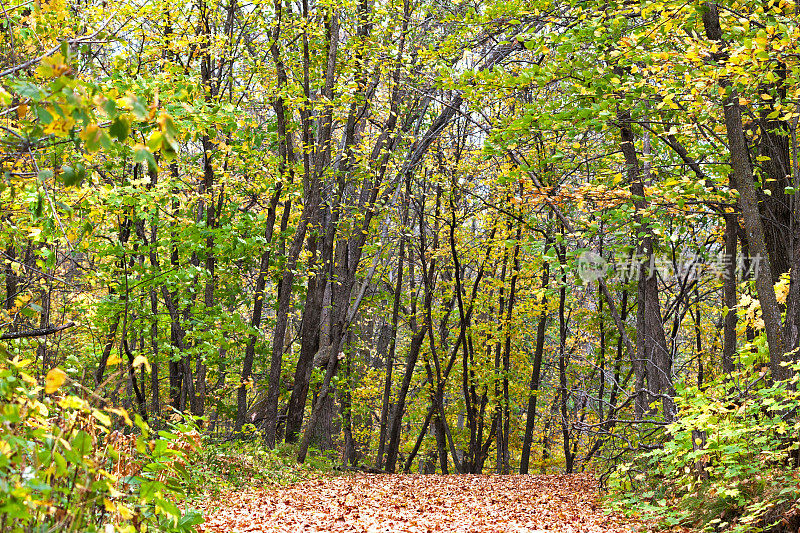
x=168 y=508
x=191 y=518
x=61 y=463
x=110 y=106
x=81 y=443
x=138 y=108
x=143 y=154
x=28 y=90
x=120 y=129
x=45 y=117
x=141 y=446
x=68 y=175
x=38 y=208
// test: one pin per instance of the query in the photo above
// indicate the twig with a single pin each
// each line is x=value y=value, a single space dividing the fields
x=40 y=332
x=53 y=50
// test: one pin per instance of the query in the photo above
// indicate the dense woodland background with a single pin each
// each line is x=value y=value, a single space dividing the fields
x=371 y=229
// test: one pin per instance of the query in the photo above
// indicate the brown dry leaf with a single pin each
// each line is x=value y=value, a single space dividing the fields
x=420 y=504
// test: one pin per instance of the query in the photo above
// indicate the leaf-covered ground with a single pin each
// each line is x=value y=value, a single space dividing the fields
x=419 y=503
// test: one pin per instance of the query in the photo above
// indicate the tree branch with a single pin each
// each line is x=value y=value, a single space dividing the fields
x=41 y=332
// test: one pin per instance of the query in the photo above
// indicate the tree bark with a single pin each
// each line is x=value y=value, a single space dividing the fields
x=286 y=157
x=506 y=429
x=258 y=307
x=729 y=294
x=387 y=387
x=653 y=360
x=569 y=457
x=399 y=406
x=748 y=202
x=535 y=373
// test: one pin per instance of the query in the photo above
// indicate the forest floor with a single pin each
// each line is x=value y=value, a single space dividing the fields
x=419 y=503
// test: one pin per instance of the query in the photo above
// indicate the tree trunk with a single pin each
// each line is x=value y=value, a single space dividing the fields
x=498 y=381
x=155 y=407
x=653 y=360
x=535 y=373
x=310 y=343
x=729 y=294
x=258 y=307
x=506 y=429
x=569 y=457
x=11 y=283
x=399 y=406
x=748 y=202
x=387 y=387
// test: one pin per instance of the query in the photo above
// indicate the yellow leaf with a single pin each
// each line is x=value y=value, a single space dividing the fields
x=123 y=413
x=73 y=402
x=114 y=493
x=114 y=359
x=141 y=360
x=102 y=417
x=124 y=512
x=782 y=289
x=55 y=378
x=109 y=505
x=27 y=379
x=17 y=363
x=91 y=133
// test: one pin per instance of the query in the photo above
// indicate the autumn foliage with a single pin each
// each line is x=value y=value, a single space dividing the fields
x=414 y=503
x=243 y=242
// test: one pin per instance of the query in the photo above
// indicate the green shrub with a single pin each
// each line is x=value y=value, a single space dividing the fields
x=66 y=464
x=249 y=462
x=726 y=463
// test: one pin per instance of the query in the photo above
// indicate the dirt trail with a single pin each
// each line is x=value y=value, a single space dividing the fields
x=420 y=503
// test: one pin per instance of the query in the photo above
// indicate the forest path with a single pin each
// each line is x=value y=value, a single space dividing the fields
x=420 y=503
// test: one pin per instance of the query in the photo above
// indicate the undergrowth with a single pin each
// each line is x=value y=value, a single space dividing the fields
x=728 y=463
x=248 y=462
x=71 y=463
